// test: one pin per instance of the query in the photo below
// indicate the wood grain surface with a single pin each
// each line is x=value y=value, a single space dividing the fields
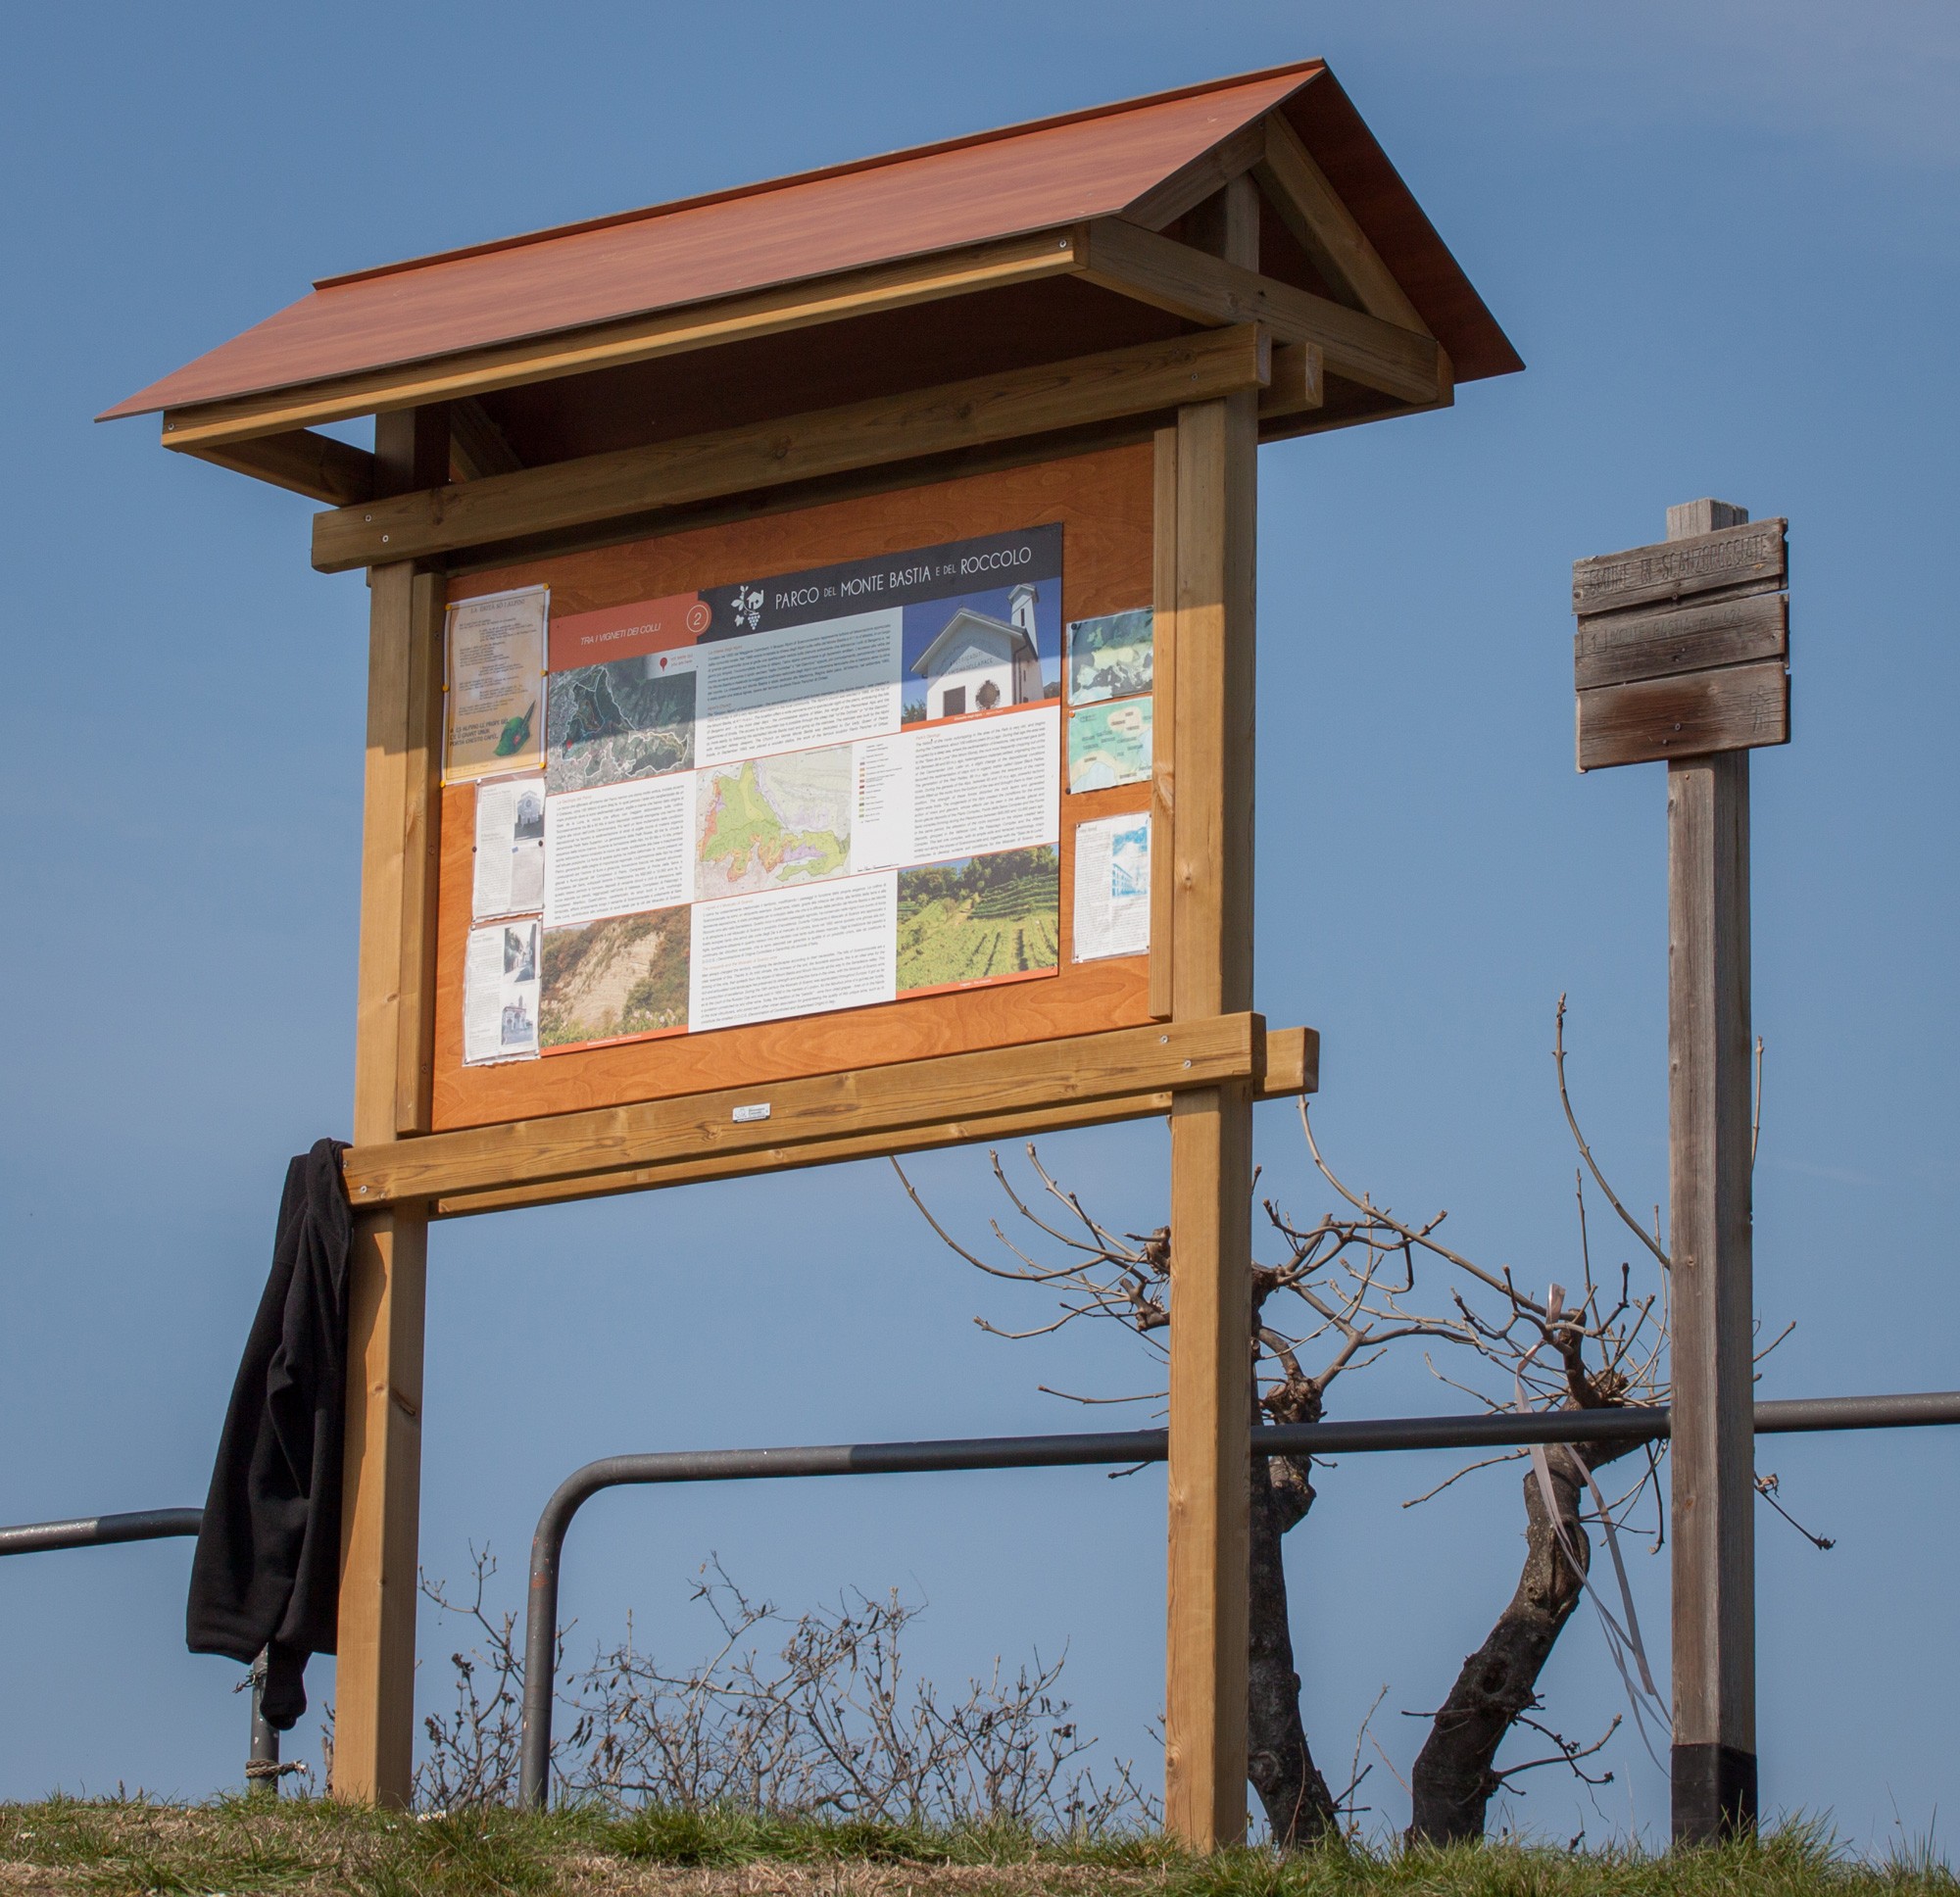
x=1293 y=1067
x=1144 y=379
x=1752 y=555
x=1616 y=647
x=1733 y=707
x=881 y=1099
x=1207 y=289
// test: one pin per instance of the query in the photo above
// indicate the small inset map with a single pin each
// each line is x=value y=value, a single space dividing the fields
x=772 y=822
x=1110 y=745
x=1109 y=657
x=606 y=724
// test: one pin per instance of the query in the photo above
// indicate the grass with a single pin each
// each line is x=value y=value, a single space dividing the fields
x=241 y=1846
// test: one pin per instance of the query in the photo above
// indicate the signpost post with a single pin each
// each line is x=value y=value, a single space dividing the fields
x=1680 y=656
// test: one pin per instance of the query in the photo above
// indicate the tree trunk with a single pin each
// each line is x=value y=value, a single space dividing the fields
x=1297 y=1804
x=1453 y=1781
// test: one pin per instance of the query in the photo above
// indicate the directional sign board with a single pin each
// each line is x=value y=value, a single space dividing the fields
x=1683 y=647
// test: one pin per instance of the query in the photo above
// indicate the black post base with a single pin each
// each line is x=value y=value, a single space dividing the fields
x=1714 y=1793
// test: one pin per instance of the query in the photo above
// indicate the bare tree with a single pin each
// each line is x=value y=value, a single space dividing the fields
x=1602 y=1350
x=1335 y=1300
x=1345 y=1291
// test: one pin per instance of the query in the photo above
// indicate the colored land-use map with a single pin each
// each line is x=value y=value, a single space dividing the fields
x=769 y=822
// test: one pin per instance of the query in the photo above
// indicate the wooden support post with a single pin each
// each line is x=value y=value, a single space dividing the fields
x=1163 y=761
x=1216 y=472
x=1712 y=1455
x=381 y=1492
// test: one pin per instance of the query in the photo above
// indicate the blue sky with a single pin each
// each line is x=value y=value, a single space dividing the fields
x=1723 y=237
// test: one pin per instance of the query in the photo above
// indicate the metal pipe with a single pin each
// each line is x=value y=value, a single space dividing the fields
x=100 y=1530
x=1497 y=1429
x=262 y=1770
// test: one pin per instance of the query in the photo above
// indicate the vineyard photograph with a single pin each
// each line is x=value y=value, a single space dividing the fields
x=979 y=918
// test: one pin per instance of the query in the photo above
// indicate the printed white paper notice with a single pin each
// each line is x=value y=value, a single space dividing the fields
x=510 y=870
x=1112 y=887
x=500 y=993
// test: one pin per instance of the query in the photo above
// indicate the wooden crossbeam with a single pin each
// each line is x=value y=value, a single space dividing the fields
x=1202 y=288
x=300 y=460
x=876 y=1100
x=1150 y=378
x=1293 y=1067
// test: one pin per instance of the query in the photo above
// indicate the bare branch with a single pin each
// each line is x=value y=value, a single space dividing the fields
x=1633 y=1225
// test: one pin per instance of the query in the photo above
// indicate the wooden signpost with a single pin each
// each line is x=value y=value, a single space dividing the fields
x=1680 y=656
x=1059 y=345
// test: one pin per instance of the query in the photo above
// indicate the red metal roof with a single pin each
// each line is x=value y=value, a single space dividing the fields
x=906 y=204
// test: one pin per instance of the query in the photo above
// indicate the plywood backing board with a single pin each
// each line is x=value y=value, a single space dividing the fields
x=1103 y=502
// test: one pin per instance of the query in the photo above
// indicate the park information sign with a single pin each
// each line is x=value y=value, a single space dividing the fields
x=810 y=716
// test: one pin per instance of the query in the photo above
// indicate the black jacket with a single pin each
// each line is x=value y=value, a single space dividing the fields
x=266 y=1574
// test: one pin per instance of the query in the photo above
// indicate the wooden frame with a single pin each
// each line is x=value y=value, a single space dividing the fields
x=1101 y=499
x=1214 y=494
x=1079 y=394
x=1291 y=1068
x=1205 y=1064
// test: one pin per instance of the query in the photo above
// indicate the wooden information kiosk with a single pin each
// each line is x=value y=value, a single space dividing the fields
x=811 y=714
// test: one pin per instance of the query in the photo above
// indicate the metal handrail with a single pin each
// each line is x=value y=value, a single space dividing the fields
x=100 y=1530
x=1500 y=1430
x=262 y=1768
x=1497 y=1430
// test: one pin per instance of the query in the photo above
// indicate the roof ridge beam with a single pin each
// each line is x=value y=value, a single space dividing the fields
x=1200 y=288
x=1114 y=386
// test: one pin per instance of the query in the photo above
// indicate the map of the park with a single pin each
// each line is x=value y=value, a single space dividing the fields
x=767 y=822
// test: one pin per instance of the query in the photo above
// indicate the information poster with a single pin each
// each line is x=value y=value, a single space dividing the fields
x=1112 y=887
x=494 y=675
x=500 y=993
x=510 y=866
x=810 y=791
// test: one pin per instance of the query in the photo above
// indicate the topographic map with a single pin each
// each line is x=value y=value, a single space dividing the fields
x=772 y=821
x=604 y=724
